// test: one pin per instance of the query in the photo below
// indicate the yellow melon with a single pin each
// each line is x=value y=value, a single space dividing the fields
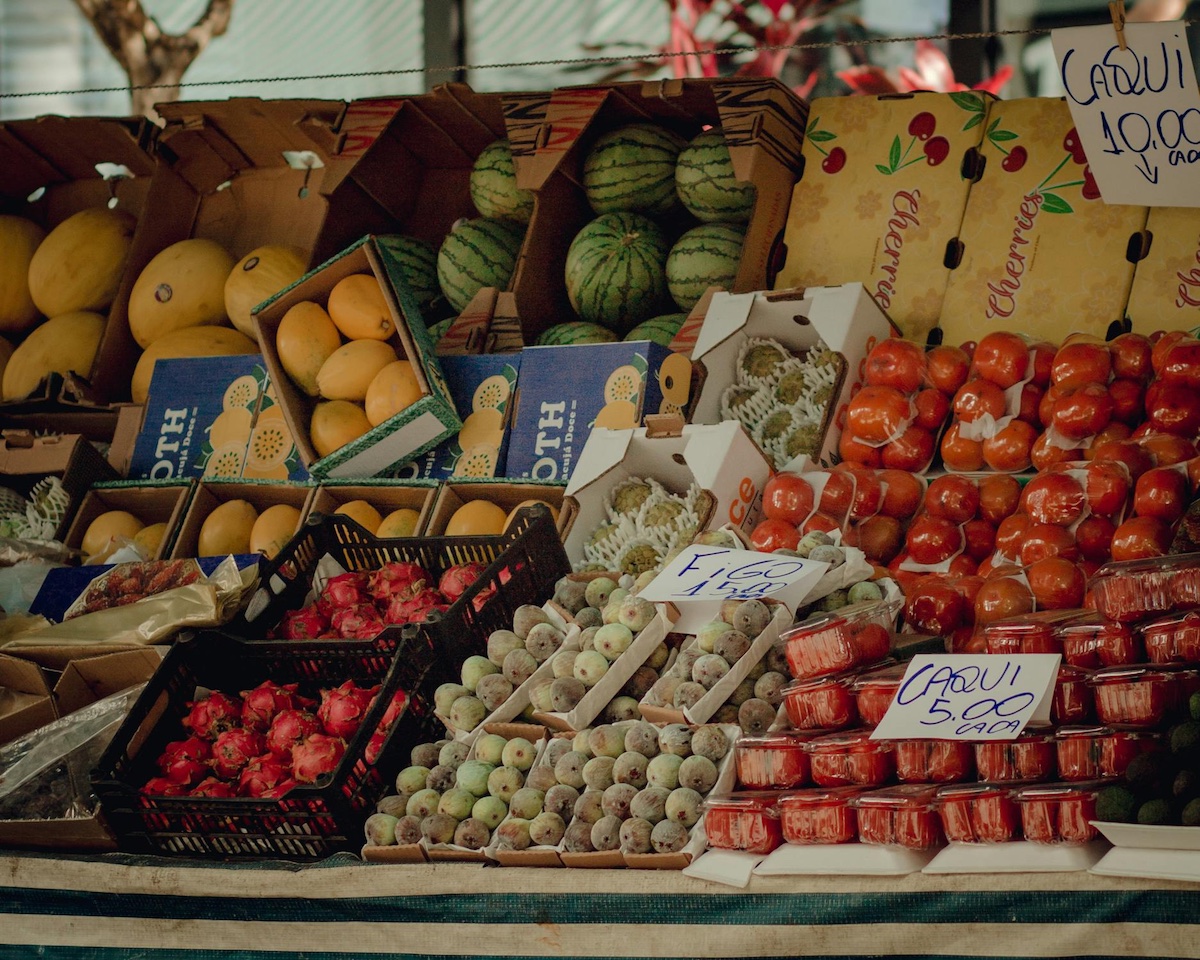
x=399 y=523
x=305 y=339
x=334 y=424
x=188 y=342
x=361 y=513
x=183 y=286
x=110 y=526
x=150 y=538
x=59 y=345
x=357 y=305
x=19 y=238
x=79 y=264
x=227 y=529
x=476 y=518
x=351 y=368
x=393 y=388
x=273 y=529
x=260 y=274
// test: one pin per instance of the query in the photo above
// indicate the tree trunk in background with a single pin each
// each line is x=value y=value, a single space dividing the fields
x=145 y=53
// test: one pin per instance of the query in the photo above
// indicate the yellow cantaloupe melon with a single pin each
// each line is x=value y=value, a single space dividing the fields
x=260 y=274
x=150 y=539
x=226 y=530
x=188 y=342
x=19 y=238
x=392 y=389
x=361 y=513
x=349 y=370
x=79 y=264
x=304 y=340
x=273 y=529
x=334 y=424
x=107 y=527
x=183 y=286
x=357 y=305
x=60 y=345
x=399 y=523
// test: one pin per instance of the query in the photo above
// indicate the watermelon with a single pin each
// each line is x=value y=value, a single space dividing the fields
x=417 y=262
x=706 y=184
x=632 y=169
x=494 y=185
x=615 y=272
x=705 y=256
x=478 y=253
x=575 y=331
x=660 y=330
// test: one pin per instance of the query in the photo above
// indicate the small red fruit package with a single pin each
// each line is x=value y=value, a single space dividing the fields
x=821 y=703
x=902 y=816
x=1135 y=696
x=746 y=821
x=1173 y=399
x=933 y=761
x=1072 y=700
x=896 y=496
x=1093 y=641
x=1095 y=752
x=978 y=813
x=1174 y=638
x=850 y=758
x=1030 y=756
x=774 y=761
x=942 y=606
x=828 y=643
x=1031 y=633
x=797 y=502
x=1086 y=397
x=1128 y=590
x=875 y=691
x=1058 y=813
x=819 y=816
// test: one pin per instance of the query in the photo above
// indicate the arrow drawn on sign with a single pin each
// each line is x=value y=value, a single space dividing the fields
x=1151 y=175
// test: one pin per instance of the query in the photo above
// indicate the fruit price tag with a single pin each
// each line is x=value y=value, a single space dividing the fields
x=700 y=578
x=1137 y=112
x=970 y=697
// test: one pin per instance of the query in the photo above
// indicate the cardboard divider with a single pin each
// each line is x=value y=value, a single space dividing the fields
x=385 y=496
x=87 y=680
x=31 y=701
x=209 y=496
x=149 y=502
x=504 y=493
x=25 y=460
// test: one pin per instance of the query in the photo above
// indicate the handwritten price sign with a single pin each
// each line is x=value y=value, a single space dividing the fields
x=1137 y=111
x=964 y=697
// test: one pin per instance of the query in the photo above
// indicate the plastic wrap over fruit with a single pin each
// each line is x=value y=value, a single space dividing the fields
x=1058 y=813
x=831 y=643
x=1094 y=753
x=901 y=816
x=819 y=815
x=978 y=813
x=1129 y=590
x=746 y=821
x=1093 y=641
x=775 y=761
x=850 y=758
x=1030 y=757
x=1135 y=696
x=933 y=761
x=821 y=703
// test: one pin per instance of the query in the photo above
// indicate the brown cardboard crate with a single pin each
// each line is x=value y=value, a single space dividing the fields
x=150 y=502
x=504 y=493
x=32 y=701
x=384 y=496
x=26 y=459
x=84 y=681
x=209 y=496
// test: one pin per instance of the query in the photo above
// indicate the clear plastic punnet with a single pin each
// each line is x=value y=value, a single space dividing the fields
x=1136 y=696
x=1129 y=590
x=934 y=761
x=850 y=758
x=978 y=813
x=1029 y=757
x=819 y=816
x=828 y=643
x=902 y=816
x=1072 y=700
x=1058 y=812
x=1094 y=641
x=821 y=703
x=774 y=761
x=1095 y=752
x=1174 y=638
x=875 y=691
x=1032 y=633
x=743 y=821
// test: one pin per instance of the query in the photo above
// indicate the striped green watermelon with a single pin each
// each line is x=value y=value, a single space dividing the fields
x=417 y=261
x=615 y=272
x=632 y=168
x=706 y=184
x=660 y=330
x=705 y=256
x=494 y=185
x=575 y=331
x=476 y=254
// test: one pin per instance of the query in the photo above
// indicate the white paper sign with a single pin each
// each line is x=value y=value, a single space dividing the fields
x=970 y=697
x=1137 y=111
x=700 y=578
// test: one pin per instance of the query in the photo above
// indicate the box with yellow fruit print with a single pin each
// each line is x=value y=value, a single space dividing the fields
x=566 y=391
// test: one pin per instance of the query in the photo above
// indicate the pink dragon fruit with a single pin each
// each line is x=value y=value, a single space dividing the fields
x=287 y=729
x=343 y=708
x=307 y=623
x=280 y=789
x=234 y=749
x=375 y=745
x=344 y=590
x=457 y=579
x=213 y=715
x=414 y=609
x=163 y=787
x=315 y=757
x=186 y=761
x=262 y=774
x=260 y=705
x=212 y=787
x=358 y=622
x=398 y=577
x=394 y=709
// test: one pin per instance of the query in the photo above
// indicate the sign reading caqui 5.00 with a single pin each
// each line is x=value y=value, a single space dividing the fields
x=1137 y=111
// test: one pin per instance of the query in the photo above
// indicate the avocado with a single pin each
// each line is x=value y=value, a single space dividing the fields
x=1191 y=814
x=1154 y=811
x=1185 y=738
x=1194 y=705
x=1116 y=804
x=1143 y=770
x=1186 y=785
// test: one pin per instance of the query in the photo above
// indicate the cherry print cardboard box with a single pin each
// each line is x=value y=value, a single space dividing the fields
x=1166 y=282
x=1042 y=253
x=881 y=197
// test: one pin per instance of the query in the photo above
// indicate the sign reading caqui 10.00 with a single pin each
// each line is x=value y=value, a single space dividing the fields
x=1137 y=110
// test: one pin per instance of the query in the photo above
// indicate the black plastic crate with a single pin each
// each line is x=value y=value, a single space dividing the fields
x=524 y=563
x=310 y=821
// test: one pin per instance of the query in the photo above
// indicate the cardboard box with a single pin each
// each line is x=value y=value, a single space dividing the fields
x=1042 y=254
x=763 y=122
x=28 y=702
x=149 y=502
x=503 y=493
x=242 y=172
x=1166 y=282
x=409 y=433
x=567 y=391
x=351 y=135
x=211 y=494
x=53 y=168
x=720 y=458
x=871 y=205
x=97 y=424
x=25 y=460
x=384 y=495
x=845 y=318
x=483 y=389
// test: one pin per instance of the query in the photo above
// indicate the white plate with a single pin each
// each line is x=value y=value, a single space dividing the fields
x=843 y=859
x=1018 y=856
x=1150 y=837
x=1155 y=864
